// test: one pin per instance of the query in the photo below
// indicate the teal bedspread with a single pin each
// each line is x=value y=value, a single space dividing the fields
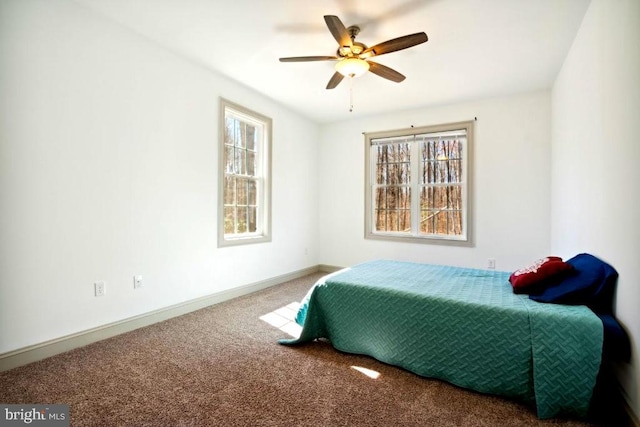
x=461 y=325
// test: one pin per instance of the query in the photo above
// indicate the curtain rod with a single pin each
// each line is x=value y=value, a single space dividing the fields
x=475 y=119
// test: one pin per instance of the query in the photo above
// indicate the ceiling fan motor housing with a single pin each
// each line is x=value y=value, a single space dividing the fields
x=354 y=50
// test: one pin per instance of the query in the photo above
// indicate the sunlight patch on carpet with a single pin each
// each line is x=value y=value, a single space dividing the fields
x=284 y=319
x=368 y=372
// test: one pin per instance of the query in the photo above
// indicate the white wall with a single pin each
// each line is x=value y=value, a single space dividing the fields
x=108 y=169
x=510 y=189
x=596 y=157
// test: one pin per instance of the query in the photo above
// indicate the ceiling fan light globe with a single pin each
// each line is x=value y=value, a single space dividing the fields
x=352 y=67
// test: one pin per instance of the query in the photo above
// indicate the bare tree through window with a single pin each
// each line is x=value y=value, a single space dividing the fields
x=245 y=164
x=418 y=183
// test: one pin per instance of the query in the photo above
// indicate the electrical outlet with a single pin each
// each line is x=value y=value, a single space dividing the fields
x=100 y=288
x=137 y=282
x=492 y=264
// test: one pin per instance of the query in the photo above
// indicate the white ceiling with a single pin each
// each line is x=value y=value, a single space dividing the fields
x=476 y=48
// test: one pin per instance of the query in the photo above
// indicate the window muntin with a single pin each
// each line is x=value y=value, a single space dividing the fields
x=431 y=163
x=392 y=186
x=441 y=183
x=245 y=176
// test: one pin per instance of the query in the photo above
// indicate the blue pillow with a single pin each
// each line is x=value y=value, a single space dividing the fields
x=616 y=346
x=592 y=283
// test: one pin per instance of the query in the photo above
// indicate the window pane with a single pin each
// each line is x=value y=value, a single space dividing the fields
x=405 y=198
x=427 y=221
x=428 y=150
x=402 y=152
x=454 y=148
x=455 y=197
x=434 y=222
x=401 y=172
x=252 y=193
x=404 y=220
x=441 y=222
x=389 y=153
x=229 y=159
x=251 y=163
x=392 y=174
x=455 y=170
x=252 y=219
x=440 y=197
x=442 y=172
x=428 y=172
x=241 y=135
x=380 y=198
x=392 y=197
x=241 y=156
x=423 y=222
x=454 y=223
x=229 y=134
x=381 y=220
x=426 y=198
x=406 y=173
x=442 y=150
x=242 y=219
x=242 y=192
x=229 y=220
x=229 y=190
x=381 y=173
x=392 y=220
x=252 y=135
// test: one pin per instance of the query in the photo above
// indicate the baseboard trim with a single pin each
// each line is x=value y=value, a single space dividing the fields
x=328 y=268
x=631 y=417
x=33 y=353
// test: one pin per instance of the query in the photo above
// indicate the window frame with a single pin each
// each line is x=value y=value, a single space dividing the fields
x=467 y=173
x=263 y=175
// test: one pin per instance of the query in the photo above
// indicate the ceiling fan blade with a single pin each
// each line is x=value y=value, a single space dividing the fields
x=385 y=72
x=394 y=45
x=338 y=30
x=335 y=80
x=308 y=58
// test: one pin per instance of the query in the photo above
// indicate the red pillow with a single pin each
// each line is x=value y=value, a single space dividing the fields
x=537 y=273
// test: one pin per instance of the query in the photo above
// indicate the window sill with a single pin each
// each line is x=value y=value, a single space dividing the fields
x=245 y=240
x=430 y=240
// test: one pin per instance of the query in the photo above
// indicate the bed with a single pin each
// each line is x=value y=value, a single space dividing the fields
x=465 y=326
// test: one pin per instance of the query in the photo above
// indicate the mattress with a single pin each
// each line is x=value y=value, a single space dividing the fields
x=461 y=325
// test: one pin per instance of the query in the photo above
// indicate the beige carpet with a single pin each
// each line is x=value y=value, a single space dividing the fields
x=222 y=366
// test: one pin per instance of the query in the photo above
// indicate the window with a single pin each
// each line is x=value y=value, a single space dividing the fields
x=245 y=185
x=429 y=162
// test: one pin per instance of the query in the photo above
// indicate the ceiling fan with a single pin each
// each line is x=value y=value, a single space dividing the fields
x=353 y=57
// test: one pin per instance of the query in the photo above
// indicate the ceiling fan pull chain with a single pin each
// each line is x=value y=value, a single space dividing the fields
x=350 y=94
